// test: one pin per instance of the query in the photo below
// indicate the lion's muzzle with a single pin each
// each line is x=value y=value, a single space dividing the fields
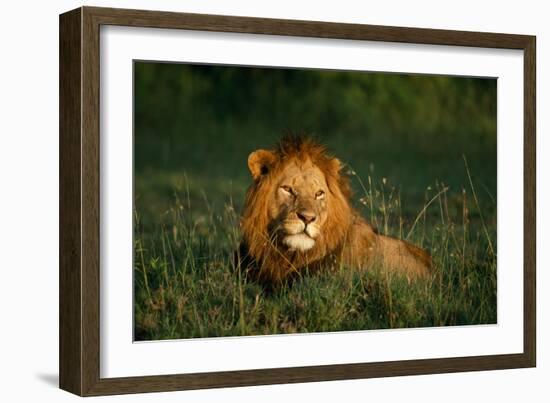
x=299 y=235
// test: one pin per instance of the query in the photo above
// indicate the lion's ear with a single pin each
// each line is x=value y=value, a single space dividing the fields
x=260 y=162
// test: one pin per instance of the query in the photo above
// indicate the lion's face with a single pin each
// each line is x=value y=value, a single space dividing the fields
x=298 y=211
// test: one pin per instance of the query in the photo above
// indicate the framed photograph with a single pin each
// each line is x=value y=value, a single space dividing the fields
x=249 y=201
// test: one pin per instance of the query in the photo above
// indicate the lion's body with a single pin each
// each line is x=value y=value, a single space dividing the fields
x=298 y=215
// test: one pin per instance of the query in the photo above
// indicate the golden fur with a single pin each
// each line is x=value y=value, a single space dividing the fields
x=298 y=215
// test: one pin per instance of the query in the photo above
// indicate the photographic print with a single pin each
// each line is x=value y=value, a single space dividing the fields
x=278 y=200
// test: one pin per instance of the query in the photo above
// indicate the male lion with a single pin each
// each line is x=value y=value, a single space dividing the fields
x=298 y=215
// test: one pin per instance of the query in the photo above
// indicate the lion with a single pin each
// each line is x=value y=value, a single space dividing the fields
x=298 y=216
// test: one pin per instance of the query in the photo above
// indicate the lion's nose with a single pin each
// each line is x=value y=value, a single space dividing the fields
x=306 y=216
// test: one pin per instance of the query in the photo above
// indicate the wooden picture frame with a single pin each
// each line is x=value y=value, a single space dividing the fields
x=80 y=184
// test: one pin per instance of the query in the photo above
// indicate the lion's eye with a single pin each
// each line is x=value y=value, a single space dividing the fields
x=287 y=189
x=320 y=194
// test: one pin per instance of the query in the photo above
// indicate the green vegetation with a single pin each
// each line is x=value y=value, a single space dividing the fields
x=421 y=152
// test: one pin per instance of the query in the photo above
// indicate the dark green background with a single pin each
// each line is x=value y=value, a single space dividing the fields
x=196 y=124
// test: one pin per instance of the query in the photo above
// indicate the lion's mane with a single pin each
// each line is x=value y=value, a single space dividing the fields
x=273 y=262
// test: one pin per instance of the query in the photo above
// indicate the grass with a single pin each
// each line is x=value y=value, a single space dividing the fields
x=185 y=285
